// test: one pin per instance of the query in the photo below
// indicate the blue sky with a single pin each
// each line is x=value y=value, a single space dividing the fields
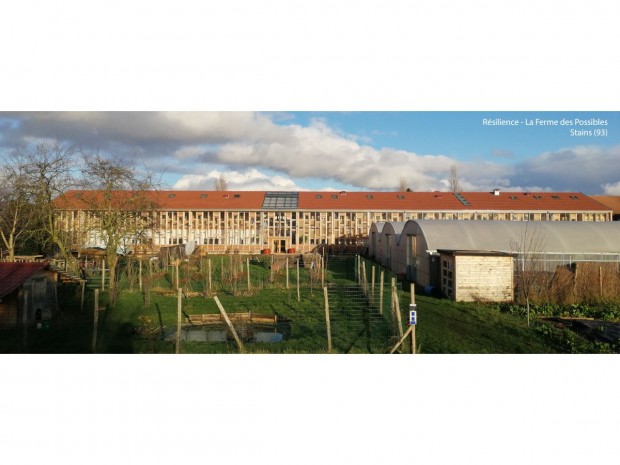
x=344 y=150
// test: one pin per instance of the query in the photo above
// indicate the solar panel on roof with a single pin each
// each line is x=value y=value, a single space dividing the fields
x=281 y=201
x=462 y=199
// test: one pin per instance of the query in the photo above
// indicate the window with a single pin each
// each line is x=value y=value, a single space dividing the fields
x=334 y=196
x=203 y=196
x=171 y=196
x=369 y=196
x=318 y=196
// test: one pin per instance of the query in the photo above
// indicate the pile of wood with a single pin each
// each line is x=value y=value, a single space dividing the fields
x=239 y=317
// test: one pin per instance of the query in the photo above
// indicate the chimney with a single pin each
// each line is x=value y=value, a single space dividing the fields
x=495 y=191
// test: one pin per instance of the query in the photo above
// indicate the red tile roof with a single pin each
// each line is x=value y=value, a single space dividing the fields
x=447 y=201
x=367 y=201
x=174 y=200
x=13 y=275
x=610 y=201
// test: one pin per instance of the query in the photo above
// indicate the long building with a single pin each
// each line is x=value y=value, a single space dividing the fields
x=280 y=222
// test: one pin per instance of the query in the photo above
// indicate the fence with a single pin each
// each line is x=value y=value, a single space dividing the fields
x=356 y=315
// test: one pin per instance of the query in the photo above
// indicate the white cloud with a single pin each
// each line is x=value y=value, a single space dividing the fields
x=250 y=179
x=611 y=188
x=251 y=144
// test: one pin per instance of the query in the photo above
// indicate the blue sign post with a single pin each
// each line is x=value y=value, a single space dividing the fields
x=413 y=314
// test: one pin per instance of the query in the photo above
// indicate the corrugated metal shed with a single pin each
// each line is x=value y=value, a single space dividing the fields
x=560 y=236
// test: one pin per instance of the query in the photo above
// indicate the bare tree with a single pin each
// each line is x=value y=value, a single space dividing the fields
x=454 y=180
x=528 y=247
x=44 y=171
x=17 y=213
x=221 y=183
x=402 y=185
x=122 y=207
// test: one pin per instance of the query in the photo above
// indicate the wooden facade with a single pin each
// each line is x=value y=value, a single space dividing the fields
x=247 y=222
x=476 y=276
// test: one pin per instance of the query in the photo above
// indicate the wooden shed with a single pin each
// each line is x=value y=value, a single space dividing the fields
x=27 y=293
x=470 y=275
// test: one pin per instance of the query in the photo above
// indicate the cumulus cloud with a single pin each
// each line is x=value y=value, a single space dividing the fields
x=587 y=166
x=611 y=188
x=250 y=179
x=270 y=151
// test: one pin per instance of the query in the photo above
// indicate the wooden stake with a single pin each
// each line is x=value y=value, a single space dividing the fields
x=322 y=270
x=103 y=274
x=397 y=307
x=83 y=284
x=402 y=339
x=372 y=285
x=287 y=272
x=229 y=323
x=95 y=321
x=364 y=279
x=177 y=349
x=413 y=332
x=247 y=260
x=25 y=322
x=381 y=292
x=327 y=321
x=210 y=282
x=140 y=274
x=298 y=295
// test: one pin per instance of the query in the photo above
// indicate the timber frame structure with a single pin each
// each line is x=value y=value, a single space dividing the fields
x=296 y=222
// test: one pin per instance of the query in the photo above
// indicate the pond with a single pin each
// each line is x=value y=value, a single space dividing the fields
x=217 y=333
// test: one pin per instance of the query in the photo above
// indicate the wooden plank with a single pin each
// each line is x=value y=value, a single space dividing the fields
x=327 y=321
x=230 y=325
x=179 y=311
x=402 y=339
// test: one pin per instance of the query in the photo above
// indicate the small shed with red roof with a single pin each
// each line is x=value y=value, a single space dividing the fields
x=27 y=293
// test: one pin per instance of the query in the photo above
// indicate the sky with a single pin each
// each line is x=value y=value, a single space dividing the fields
x=358 y=150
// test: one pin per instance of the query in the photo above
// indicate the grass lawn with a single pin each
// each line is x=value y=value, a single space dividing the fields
x=443 y=326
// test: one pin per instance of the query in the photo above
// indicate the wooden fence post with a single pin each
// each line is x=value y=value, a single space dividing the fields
x=177 y=349
x=248 y=264
x=287 y=272
x=176 y=273
x=413 y=349
x=83 y=285
x=103 y=274
x=372 y=285
x=25 y=322
x=327 y=321
x=381 y=292
x=402 y=339
x=298 y=295
x=95 y=321
x=364 y=279
x=210 y=282
x=271 y=270
x=396 y=307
